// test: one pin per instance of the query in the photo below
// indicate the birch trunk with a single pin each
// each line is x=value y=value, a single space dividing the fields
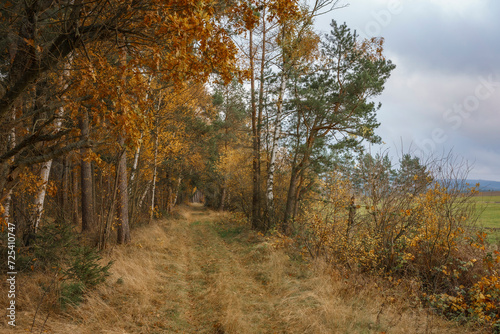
x=274 y=149
x=144 y=193
x=40 y=197
x=133 y=183
x=104 y=231
x=255 y=144
x=138 y=151
x=176 y=193
x=262 y=225
x=46 y=166
x=44 y=176
x=155 y=171
x=136 y=161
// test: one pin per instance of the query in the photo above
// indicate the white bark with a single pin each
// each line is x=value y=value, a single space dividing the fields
x=138 y=151
x=46 y=166
x=40 y=198
x=44 y=176
x=176 y=192
x=136 y=162
x=274 y=145
x=141 y=201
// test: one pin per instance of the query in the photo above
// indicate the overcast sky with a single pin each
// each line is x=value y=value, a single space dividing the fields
x=445 y=91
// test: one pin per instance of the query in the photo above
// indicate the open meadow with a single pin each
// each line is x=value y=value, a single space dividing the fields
x=489 y=205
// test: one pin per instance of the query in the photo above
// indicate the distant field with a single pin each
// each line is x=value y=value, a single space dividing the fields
x=489 y=203
x=489 y=194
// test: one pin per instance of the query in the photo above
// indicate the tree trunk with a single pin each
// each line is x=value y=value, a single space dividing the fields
x=123 y=235
x=290 y=200
x=44 y=176
x=136 y=162
x=169 y=194
x=298 y=197
x=223 y=196
x=256 y=219
x=104 y=229
x=262 y=224
x=133 y=183
x=46 y=166
x=155 y=171
x=294 y=189
x=274 y=150
x=86 y=179
x=8 y=198
x=174 y=201
x=40 y=197
x=75 y=211
x=123 y=231
x=65 y=185
x=295 y=178
x=144 y=193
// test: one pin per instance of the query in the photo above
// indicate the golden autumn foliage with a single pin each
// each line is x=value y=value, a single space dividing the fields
x=118 y=102
x=110 y=50
x=428 y=240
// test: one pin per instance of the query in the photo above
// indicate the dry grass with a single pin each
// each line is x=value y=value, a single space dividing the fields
x=192 y=275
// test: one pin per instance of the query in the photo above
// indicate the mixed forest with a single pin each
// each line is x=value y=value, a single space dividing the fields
x=115 y=113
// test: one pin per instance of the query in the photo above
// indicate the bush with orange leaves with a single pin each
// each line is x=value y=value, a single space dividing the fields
x=418 y=226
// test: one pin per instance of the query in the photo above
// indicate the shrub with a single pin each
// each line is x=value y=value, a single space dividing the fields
x=83 y=273
x=408 y=223
x=75 y=267
x=52 y=245
x=71 y=293
x=84 y=267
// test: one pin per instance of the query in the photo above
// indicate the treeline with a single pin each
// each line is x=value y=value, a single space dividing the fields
x=89 y=87
x=107 y=119
x=310 y=102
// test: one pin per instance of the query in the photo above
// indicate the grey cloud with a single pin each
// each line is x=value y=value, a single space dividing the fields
x=441 y=53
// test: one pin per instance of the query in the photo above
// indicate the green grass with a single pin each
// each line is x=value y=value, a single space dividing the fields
x=229 y=233
x=489 y=207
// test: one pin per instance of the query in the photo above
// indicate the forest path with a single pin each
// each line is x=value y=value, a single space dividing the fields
x=226 y=288
x=205 y=272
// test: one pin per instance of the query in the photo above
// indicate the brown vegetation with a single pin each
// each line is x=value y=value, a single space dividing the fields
x=206 y=272
x=107 y=121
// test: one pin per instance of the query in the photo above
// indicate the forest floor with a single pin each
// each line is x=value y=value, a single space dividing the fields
x=199 y=273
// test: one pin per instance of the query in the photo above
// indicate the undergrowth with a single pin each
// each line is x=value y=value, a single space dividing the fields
x=72 y=268
x=416 y=230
